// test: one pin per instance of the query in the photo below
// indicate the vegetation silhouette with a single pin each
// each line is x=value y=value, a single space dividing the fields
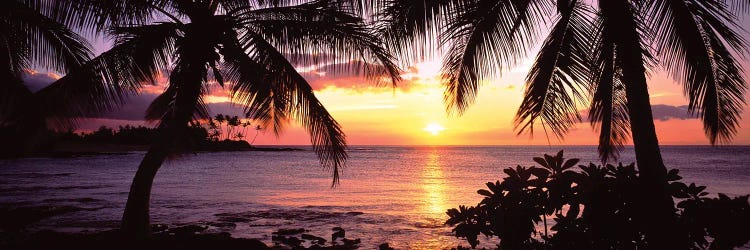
x=596 y=54
x=594 y=207
x=126 y=135
x=31 y=36
x=252 y=45
x=597 y=57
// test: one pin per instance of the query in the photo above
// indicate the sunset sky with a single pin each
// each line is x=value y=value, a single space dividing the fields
x=414 y=113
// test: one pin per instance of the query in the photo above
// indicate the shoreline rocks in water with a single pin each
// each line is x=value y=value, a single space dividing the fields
x=14 y=235
x=184 y=238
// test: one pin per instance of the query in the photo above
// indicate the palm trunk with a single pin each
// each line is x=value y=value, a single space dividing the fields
x=657 y=207
x=135 y=219
x=254 y=137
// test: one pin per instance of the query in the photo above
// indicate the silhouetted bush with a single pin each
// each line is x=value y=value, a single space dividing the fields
x=593 y=207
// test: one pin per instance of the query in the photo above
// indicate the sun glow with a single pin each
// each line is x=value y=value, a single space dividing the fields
x=434 y=128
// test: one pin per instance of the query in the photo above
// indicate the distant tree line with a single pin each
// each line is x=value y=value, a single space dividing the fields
x=219 y=128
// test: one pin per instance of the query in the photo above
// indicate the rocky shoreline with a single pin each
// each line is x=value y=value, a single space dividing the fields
x=183 y=238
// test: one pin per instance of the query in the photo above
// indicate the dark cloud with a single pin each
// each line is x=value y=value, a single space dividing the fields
x=37 y=81
x=661 y=112
x=135 y=108
x=666 y=112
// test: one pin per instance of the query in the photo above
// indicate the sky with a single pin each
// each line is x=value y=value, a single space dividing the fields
x=414 y=113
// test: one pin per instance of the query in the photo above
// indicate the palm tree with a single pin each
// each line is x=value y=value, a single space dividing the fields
x=233 y=122
x=220 y=119
x=250 y=47
x=31 y=37
x=601 y=53
x=244 y=124
x=257 y=130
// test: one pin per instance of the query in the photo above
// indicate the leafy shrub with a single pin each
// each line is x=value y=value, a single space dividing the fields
x=593 y=207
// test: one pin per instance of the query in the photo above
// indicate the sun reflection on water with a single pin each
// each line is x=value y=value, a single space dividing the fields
x=433 y=183
x=434 y=204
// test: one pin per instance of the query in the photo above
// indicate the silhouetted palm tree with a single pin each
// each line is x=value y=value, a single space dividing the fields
x=31 y=37
x=602 y=53
x=257 y=130
x=232 y=122
x=251 y=46
x=220 y=119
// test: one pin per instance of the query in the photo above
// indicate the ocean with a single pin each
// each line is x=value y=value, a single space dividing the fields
x=393 y=194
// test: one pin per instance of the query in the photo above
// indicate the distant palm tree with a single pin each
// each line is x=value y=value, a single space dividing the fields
x=30 y=37
x=250 y=46
x=602 y=53
x=220 y=119
x=244 y=124
x=257 y=130
x=233 y=122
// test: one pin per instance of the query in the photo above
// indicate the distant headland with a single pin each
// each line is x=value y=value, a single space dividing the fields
x=224 y=133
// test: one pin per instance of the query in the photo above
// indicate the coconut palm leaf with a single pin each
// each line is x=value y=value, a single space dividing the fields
x=556 y=81
x=411 y=27
x=104 y=83
x=741 y=6
x=608 y=111
x=621 y=62
x=55 y=46
x=321 y=28
x=487 y=37
x=30 y=39
x=163 y=105
x=274 y=92
x=696 y=39
x=94 y=16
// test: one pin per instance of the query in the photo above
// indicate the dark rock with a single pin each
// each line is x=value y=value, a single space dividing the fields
x=314 y=239
x=114 y=240
x=338 y=233
x=287 y=240
x=354 y=242
x=189 y=229
x=289 y=231
x=385 y=246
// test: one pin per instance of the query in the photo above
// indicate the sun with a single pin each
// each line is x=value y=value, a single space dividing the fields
x=434 y=128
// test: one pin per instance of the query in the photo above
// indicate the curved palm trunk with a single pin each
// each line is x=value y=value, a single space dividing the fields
x=188 y=77
x=135 y=219
x=657 y=207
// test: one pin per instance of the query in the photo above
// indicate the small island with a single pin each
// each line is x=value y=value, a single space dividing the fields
x=215 y=134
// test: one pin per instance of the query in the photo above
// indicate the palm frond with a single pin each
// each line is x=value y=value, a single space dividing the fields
x=556 y=81
x=487 y=37
x=609 y=112
x=318 y=28
x=14 y=54
x=94 y=16
x=360 y=7
x=738 y=6
x=163 y=106
x=621 y=62
x=271 y=90
x=411 y=27
x=695 y=40
x=105 y=82
x=50 y=44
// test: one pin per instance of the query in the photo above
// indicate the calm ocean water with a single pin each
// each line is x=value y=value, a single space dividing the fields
x=387 y=194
